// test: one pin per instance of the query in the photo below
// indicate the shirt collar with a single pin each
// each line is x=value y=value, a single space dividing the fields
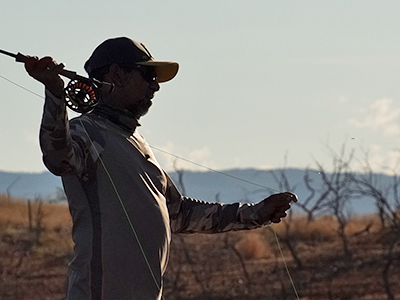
x=120 y=117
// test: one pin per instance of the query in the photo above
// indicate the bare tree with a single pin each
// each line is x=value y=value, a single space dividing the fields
x=230 y=245
x=180 y=173
x=338 y=191
x=10 y=186
x=289 y=238
x=390 y=240
x=386 y=196
x=315 y=202
x=36 y=216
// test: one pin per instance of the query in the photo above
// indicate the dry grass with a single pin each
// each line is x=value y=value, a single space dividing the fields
x=51 y=234
x=207 y=266
x=14 y=212
x=253 y=246
x=325 y=228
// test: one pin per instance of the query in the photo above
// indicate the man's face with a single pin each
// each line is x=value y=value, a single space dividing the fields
x=139 y=88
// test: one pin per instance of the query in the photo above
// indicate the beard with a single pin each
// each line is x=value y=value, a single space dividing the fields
x=140 y=108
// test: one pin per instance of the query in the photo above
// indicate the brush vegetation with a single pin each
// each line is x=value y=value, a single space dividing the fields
x=36 y=246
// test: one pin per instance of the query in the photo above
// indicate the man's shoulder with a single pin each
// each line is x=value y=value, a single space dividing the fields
x=85 y=124
x=86 y=120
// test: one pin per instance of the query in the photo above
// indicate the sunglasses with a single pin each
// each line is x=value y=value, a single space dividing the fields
x=149 y=74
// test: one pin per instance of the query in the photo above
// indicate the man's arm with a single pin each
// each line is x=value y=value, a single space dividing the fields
x=61 y=154
x=189 y=215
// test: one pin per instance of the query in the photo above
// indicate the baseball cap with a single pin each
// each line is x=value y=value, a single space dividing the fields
x=125 y=51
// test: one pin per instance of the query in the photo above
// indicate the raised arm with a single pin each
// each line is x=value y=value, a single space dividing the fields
x=61 y=154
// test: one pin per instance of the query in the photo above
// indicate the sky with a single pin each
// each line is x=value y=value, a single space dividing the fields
x=262 y=84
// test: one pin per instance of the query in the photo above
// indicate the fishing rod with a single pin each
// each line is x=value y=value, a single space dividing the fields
x=81 y=93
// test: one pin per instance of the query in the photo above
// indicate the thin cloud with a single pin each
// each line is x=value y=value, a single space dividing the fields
x=380 y=116
x=381 y=160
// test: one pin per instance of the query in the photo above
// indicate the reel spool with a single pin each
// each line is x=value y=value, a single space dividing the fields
x=80 y=96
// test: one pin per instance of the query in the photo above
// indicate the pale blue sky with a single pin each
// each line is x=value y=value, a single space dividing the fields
x=257 y=80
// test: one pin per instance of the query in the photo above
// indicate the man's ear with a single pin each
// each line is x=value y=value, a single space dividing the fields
x=116 y=75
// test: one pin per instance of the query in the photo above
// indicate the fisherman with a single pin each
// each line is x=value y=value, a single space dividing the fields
x=124 y=206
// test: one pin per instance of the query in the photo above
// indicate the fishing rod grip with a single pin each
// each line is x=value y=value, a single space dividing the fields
x=20 y=57
x=70 y=74
x=104 y=86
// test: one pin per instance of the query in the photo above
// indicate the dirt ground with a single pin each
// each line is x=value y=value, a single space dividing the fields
x=238 y=265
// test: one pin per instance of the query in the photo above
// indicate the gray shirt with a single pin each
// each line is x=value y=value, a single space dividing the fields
x=123 y=205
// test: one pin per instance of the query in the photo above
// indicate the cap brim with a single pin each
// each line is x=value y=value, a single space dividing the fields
x=165 y=70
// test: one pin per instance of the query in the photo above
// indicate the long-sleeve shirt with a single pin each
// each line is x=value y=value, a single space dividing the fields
x=124 y=206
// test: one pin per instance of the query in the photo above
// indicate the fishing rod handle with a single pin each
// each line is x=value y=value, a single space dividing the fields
x=104 y=86
x=19 y=57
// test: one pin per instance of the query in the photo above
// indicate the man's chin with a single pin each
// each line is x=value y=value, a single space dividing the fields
x=146 y=107
x=141 y=109
x=144 y=112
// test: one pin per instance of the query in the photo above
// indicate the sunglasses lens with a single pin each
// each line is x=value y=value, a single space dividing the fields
x=149 y=74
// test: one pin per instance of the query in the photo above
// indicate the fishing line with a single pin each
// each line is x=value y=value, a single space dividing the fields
x=284 y=262
x=20 y=86
x=123 y=208
x=215 y=171
x=184 y=159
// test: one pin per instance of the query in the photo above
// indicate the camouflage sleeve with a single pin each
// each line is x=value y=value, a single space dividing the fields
x=61 y=154
x=188 y=215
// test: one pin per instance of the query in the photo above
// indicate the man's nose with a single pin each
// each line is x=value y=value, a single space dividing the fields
x=155 y=86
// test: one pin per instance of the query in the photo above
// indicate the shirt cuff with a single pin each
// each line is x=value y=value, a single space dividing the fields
x=56 y=100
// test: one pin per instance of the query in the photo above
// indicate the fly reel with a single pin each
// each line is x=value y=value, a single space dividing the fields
x=80 y=96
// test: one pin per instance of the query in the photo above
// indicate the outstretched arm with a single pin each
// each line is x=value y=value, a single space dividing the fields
x=191 y=215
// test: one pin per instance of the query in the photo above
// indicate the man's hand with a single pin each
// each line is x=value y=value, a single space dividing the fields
x=47 y=71
x=276 y=205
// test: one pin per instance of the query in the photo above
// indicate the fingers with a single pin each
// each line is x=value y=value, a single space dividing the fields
x=47 y=71
x=279 y=214
x=278 y=204
x=291 y=196
x=43 y=68
x=283 y=207
x=30 y=63
x=52 y=66
x=276 y=217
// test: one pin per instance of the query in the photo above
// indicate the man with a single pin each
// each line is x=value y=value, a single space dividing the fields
x=123 y=205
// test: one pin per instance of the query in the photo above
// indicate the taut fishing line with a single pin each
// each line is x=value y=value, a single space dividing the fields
x=216 y=171
x=81 y=96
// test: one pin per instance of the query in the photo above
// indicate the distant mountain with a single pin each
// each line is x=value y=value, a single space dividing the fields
x=243 y=185
x=29 y=185
x=252 y=185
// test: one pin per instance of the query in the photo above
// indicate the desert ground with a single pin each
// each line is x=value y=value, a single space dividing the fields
x=322 y=263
